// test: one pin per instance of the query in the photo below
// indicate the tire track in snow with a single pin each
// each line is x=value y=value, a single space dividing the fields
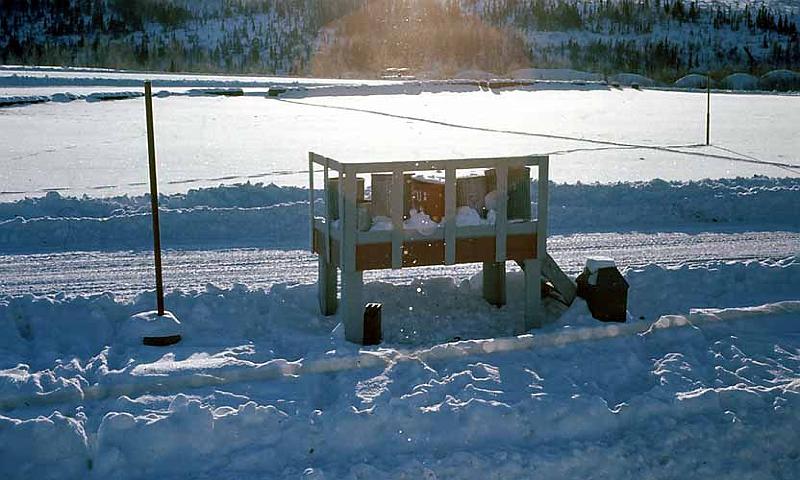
x=595 y=141
x=130 y=272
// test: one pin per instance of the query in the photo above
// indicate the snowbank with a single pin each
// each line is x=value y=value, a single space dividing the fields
x=106 y=96
x=658 y=205
x=740 y=81
x=244 y=195
x=577 y=399
x=225 y=92
x=18 y=100
x=692 y=80
x=271 y=216
x=629 y=79
x=278 y=226
x=562 y=74
x=285 y=319
x=780 y=80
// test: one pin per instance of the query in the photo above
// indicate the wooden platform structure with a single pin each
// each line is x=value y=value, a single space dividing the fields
x=340 y=245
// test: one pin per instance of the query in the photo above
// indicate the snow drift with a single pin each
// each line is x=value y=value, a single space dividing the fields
x=602 y=401
x=558 y=74
x=259 y=215
x=692 y=80
x=740 y=81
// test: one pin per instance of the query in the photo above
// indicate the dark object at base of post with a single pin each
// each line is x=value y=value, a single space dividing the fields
x=607 y=296
x=161 y=341
x=494 y=283
x=373 y=334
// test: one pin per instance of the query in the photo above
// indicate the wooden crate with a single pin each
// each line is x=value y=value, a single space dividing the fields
x=427 y=195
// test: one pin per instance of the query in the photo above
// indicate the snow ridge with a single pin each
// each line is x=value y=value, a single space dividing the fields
x=270 y=216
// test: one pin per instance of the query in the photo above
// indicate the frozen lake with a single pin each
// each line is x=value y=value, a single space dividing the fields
x=593 y=134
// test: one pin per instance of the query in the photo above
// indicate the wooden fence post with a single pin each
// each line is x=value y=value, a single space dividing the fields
x=151 y=154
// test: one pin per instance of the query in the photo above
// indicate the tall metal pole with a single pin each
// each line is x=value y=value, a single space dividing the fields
x=708 y=108
x=151 y=154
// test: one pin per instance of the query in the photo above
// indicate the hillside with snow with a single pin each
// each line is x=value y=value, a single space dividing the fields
x=663 y=40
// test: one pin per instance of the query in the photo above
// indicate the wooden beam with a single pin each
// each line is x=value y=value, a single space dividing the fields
x=328 y=220
x=398 y=189
x=450 y=216
x=348 y=220
x=533 y=317
x=562 y=283
x=311 y=213
x=378 y=256
x=464 y=163
x=326 y=286
x=501 y=222
x=542 y=201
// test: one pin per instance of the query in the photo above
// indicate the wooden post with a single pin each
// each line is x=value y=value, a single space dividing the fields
x=326 y=288
x=534 y=312
x=151 y=154
x=311 y=198
x=708 y=109
x=450 y=216
x=352 y=280
x=542 y=201
x=396 y=209
x=494 y=273
x=501 y=219
x=327 y=272
x=494 y=283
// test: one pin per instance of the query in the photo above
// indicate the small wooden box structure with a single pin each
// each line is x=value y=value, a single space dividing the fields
x=471 y=192
x=427 y=195
x=343 y=247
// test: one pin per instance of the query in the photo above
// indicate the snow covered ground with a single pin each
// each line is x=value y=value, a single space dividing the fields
x=269 y=388
x=702 y=380
x=127 y=273
x=594 y=132
x=262 y=385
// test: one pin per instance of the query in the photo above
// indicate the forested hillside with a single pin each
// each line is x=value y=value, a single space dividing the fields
x=663 y=39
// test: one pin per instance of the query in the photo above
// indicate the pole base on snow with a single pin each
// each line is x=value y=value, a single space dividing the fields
x=152 y=329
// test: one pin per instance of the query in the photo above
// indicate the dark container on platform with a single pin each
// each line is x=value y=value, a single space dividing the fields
x=519 y=191
x=608 y=297
x=333 y=196
x=382 y=194
x=471 y=192
x=427 y=195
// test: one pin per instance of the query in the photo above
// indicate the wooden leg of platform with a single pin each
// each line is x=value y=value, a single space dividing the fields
x=326 y=287
x=353 y=306
x=494 y=283
x=534 y=313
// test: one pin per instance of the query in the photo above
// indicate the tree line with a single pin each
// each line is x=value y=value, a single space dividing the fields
x=659 y=38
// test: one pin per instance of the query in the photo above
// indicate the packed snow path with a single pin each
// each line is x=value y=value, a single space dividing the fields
x=127 y=273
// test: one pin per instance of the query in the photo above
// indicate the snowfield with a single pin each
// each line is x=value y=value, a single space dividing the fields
x=714 y=391
x=606 y=134
x=703 y=380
